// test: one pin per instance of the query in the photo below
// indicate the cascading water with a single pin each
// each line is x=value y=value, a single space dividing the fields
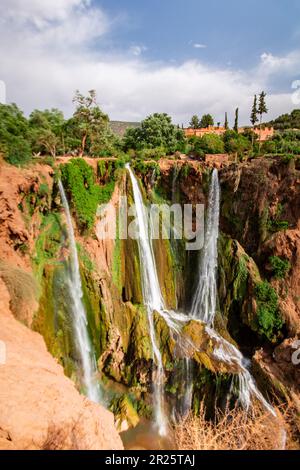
x=82 y=340
x=205 y=301
x=152 y=297
x=205 y=298
x=203 y=307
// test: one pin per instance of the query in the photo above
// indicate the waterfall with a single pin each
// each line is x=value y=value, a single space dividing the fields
x=83 y=344
x=152 y=298
x=205 y=298
x=205 y=301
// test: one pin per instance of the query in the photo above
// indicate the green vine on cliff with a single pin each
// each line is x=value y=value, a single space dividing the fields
x=269 y=318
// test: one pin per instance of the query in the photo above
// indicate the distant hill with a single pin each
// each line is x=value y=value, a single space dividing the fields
x=119 y=127
x=287 y=121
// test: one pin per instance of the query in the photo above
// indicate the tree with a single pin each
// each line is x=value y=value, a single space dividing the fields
x=236 y=121
x=226 y=122
x=236 y=143
x=206 y=121
x=262 y=109
x=14 y=142
x=195 y=122
x=155 y=131
x=209 y=143
x=48 y=141
x=47 y=131
x=253 y=117
x=90 y=121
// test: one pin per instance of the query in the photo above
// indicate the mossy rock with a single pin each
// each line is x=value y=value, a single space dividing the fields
x=126 y=416
x=165 y=341
x=238 y=276
x=53 y=319
x=165 y=264
x=131 y=276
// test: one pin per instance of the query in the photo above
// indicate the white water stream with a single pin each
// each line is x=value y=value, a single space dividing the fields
x=203 y=305
x=82 y=340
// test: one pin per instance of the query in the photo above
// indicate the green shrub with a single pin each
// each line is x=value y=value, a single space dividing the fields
x=280 y=267
x=79 y=182
x=269 y=319
x=278 y=225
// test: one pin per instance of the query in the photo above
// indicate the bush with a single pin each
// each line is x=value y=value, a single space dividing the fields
x=280 y=267
x=151 y=154
x=231 y=430
x=268 y=315
x=79 y=182
x=209 y=143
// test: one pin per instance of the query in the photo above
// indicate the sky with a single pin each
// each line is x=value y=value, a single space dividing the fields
x=180 y=57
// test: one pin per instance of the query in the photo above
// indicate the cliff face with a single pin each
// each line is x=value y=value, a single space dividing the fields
x=259 y=220
x=260 y=230
x=261 y=209
x=40 y=407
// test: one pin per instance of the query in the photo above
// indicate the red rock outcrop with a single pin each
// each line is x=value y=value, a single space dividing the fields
x=40 y=407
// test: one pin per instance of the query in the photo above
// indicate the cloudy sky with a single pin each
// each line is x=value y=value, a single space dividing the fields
x=180 y=57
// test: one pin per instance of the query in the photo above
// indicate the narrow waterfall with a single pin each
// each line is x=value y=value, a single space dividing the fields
x=205 y=301
x=205 y=298
x=152 y=297
x=83 y=344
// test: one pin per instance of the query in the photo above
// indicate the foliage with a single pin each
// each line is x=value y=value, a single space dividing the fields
x=236 y=121
x=275 y=225
x=14 y=130
x=151 y=154
x=287 y=121
x=269 y=319
x=286 y=142
x=262 y=107
x=85 y=258
x=79 y=182
x=195 y=122
x=146 y=168
x=90 y=122
x=236 y=143
x=46 y=128
x=226 y=125
x=48 y=242
x=209 y=143
x=156 y=131
x=206 y=120
x=254 y=112
x=280 y=266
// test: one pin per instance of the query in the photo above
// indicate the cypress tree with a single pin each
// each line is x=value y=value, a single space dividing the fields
x=253 y=117
x=262 y=109
x=226 y=122
x=236 y=121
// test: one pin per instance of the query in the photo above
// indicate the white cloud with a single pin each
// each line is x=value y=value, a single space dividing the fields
x=137 y=50
x=197 y=45
x=42 y=66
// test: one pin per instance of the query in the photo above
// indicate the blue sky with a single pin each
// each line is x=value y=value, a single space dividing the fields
x=146 y=56
x=235 y=32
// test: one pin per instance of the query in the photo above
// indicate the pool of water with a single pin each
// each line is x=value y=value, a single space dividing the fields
x=145 y=437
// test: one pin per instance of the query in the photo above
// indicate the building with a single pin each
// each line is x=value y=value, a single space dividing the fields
x=203 y=131
x=264 y=134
